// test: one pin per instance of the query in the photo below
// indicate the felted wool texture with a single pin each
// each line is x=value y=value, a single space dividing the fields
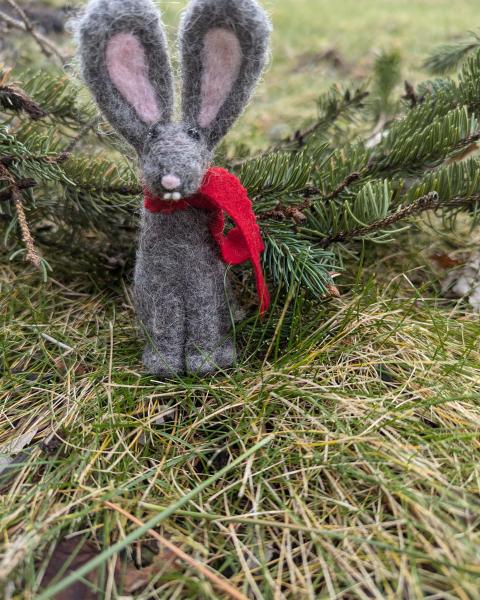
x=222 y=59
x=179 y=283
x=181 y=296
x=248 y=22
x=105 y=19
x=170 y=151
x=127 y=68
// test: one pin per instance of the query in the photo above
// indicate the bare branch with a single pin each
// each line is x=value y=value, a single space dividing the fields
x=47 y=47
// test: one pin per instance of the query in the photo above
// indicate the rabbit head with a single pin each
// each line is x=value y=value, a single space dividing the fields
x=124 y=60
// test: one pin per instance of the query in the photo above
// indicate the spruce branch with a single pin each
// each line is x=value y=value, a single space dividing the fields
x=51 y=159
x=295 y=212
x=293 y=260
x=333 y=107
x=349 y=179
x=58 y=95
x=429 y=202
x=82 y=134
x=382 y=163
x=387 y=75
x=447 y=57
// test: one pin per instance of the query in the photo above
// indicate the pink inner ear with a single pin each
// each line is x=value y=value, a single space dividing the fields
x=222 y=59
x=128 y=71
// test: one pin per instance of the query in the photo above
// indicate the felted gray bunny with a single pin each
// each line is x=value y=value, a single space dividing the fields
x=180 y=278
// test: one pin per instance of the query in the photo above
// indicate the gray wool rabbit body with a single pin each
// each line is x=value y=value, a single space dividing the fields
x=180 y=288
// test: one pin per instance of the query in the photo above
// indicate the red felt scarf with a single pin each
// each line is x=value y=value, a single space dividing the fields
x=221 y=192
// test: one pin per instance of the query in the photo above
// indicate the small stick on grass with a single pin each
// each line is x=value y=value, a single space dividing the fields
x=217 y=581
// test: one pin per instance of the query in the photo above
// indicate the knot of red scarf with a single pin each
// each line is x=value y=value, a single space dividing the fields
x=221 y=192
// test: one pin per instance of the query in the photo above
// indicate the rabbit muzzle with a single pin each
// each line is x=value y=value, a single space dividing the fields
x=173 y=163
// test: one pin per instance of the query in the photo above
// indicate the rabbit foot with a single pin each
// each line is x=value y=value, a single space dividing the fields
x=208 y=364
x=162 y=365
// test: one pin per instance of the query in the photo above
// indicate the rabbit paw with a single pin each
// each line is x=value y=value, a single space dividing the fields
x=162 y=365
x=208 y=364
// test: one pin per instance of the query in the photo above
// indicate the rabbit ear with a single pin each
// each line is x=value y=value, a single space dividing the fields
x=224 y=47
x=124 y=61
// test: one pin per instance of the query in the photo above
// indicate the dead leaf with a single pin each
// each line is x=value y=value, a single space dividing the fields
x=18 y=443
x=75 y=553
x=333 y=291
x=465 y=282
x=15 y=446
x=445 y=261
x=79 y=369
x=134 y=579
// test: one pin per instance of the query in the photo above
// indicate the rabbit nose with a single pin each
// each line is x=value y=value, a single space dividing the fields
x=170 y=182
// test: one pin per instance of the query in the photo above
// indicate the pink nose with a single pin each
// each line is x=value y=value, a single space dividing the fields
x=170 y=182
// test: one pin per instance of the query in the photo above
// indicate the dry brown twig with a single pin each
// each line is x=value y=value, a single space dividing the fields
x=19 y=100
x=217 y=581
x=32 y=255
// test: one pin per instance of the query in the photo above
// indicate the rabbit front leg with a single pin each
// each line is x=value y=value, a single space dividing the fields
x=161 y=313
x=159 y=300
x=162 y=318
x=209 y=343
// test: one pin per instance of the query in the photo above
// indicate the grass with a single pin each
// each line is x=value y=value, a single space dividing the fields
x=369 y=405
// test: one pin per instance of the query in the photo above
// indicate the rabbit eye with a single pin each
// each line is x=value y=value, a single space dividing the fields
x=153 y=133
x=193 y=133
